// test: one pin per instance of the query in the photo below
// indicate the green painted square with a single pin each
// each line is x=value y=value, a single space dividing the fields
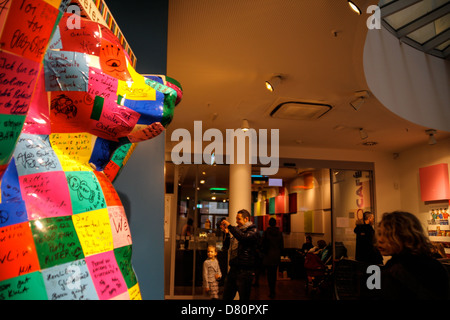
x=123 y=257
x=56 y=241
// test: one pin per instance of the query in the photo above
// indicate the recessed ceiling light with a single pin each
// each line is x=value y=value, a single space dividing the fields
x=354 y=7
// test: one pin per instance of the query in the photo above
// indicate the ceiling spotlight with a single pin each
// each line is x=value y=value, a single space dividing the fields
x=363 y=134
x=431 y=138
x=354 y=7
x=359 y=101
x=356 y=104
x=272 y=83
x=245 y=127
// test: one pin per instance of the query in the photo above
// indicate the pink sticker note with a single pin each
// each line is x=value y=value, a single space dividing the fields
x=106 y=275
x=46 y=195
x=119 y=226
x=115 y=121
x=101 y=84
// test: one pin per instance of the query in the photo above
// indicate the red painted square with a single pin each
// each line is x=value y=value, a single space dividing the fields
x=434 y=182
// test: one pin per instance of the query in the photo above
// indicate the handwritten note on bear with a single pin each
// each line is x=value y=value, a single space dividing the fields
x=85 y=38
x=29 y=39
x=106 y=275
x=17 y=82
x=123 y=257
x=10 y=127
x=17 y=251
x=111 y=196
x=70 y=111
x=119 y=226
x=73 y=150
x=34 y=154
x=101 y=84
x=113 y=121
x=66 y=71
x=70 y=281
x=85 y=191
x=26 y=287
x=46 y=195
x=56 y=241
x=94 y=231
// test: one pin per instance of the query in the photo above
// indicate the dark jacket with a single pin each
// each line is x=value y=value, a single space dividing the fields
x=248 y=239
x=412 y=277
x=365 y=249
x=272 y=246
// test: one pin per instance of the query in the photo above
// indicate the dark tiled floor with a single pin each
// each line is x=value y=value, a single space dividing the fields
x=293 y=289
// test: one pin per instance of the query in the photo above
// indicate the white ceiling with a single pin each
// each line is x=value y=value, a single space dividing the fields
x=223 y=51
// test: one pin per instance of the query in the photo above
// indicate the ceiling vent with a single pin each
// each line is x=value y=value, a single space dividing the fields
x=297 y=110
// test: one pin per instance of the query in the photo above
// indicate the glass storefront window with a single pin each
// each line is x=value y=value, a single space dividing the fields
x=201 y=202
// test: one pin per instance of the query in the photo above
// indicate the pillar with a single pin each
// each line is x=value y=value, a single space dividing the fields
x=240 y=190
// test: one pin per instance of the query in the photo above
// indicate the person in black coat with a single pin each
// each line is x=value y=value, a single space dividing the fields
x=365 y=248
x=272 y=247
x=412 y=273
x=242 y=246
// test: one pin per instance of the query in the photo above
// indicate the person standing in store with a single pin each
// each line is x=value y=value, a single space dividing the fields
x=272 y=247
x=365 y=248
x=411 y=273
x=187 y=232
x=241 y=241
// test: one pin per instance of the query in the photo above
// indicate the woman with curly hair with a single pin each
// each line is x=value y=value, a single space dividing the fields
x=412 y=272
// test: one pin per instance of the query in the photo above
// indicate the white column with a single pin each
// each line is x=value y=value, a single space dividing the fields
x=240 y=190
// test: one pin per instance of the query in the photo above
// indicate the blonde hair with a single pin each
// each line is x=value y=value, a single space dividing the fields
x=211 y=246
x=405 y=233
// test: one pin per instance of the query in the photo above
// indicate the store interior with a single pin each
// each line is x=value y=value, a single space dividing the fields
x=324 y=202
x=349 y=100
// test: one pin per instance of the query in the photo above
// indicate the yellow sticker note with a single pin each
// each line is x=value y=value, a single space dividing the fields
x=135 y=292
x=137 y=89
x=73 y=150
x=94 y=231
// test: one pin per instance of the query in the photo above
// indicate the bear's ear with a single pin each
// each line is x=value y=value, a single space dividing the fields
x=113 y=61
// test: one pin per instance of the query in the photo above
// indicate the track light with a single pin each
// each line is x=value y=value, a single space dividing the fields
x=356 y=104
x=361 y=98
x=431 y=138
x=354 y=7
x=363 y=134
x=272 y=83
x=245 y=126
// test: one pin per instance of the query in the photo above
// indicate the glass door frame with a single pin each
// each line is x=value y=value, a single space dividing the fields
x=196 y=243
x=343 y=229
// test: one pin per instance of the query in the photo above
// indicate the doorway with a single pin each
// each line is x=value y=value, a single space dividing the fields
x=352 y=195
x=198 y=197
